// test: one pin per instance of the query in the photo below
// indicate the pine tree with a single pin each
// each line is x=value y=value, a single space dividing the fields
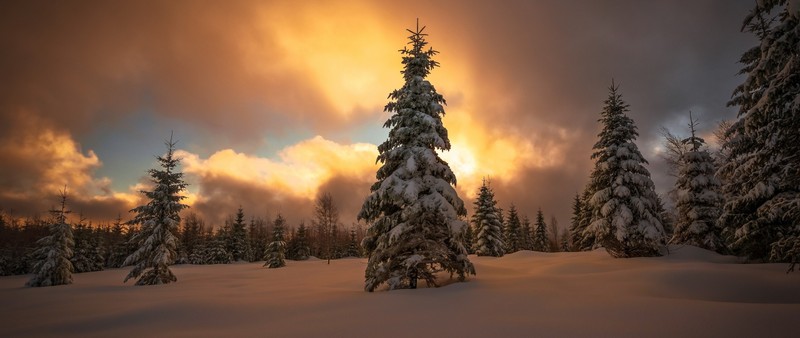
x=276 y=249
x=762 y=176
x=527 y=234
x=577 y=227
x=118 y=246
x=81 y=261
x=53 y=266
x=159 y=220
x=298 y=248
x=699 y=200
x=488 y=224
x=513 y=233
x=413 y=208
x=215 y=250
x=237 y=238
x=540 y=241
x=469 y=239
x=565 y=237
x=625 y=220
x=353 y=247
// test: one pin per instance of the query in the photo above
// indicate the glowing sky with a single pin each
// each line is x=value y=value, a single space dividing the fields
x=276 y=101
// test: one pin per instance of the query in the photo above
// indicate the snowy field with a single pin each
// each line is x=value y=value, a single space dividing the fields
x=691 y=293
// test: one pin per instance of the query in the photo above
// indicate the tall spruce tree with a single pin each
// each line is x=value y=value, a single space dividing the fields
x=513 y=233
x=413 y=208
x=276 y=251
x=53 y=266
x=159 y=220
x=699 y=200
x=624 y=205
x=540 y=241
x=237 y=238
x=488 y=224
x=762 y=175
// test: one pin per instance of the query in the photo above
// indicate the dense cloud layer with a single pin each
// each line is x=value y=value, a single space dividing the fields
x=525 y=81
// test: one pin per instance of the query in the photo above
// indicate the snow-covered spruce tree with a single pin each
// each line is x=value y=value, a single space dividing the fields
x=413 y=208
x=488 y=224
x=276 y=251
x=762 y=176
x=237 y=238
x=624 y=206
x=53 y=266
x=540 y=241
x=699 y=200
x=513 y=233
x=159 y=220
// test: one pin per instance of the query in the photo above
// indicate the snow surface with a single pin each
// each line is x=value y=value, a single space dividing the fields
x=689 y=293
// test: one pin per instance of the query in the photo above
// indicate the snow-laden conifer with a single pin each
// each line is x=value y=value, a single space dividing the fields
x=55 y=250
x=159 y=220
x=624 y=205
x=513 y=231
x=699 y=200
x=540 y=241
x=762 y=175
x=276 y=251
x=488 y=225
x=413 y=208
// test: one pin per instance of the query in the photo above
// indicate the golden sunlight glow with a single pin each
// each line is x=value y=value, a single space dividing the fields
x=347 y=59
x=300 y=171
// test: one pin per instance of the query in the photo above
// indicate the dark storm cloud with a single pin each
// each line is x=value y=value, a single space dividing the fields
x=85 y=63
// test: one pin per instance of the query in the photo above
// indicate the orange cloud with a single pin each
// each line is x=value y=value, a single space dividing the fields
x=40 y=160
x=298 y=173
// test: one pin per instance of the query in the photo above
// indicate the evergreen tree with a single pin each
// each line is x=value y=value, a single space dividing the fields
x=237 y=238
x=117 y=246
x=159 y=220
x=215 y=250
x=513 y=233
x=565 y=237
x=699 y=200
x=762 y=175
x=527 y=234
x=540 y=241
x=53 y=266
x=489 y=241
x=276 y=249
x=353 y=247
x=469 y=239
x=577 y=228
x=298 y=248
x=81 y=261
x=259 y=238
x=624 y=205
x=413 y=208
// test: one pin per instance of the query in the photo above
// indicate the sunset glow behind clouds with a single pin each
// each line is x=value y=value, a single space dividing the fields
x=234 y=78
